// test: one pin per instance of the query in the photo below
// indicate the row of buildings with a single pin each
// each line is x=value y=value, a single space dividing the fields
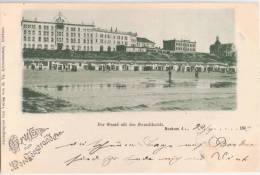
x=62 y=35
x=110 y=65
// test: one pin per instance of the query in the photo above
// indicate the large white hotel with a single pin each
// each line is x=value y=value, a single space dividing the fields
x=62 y=35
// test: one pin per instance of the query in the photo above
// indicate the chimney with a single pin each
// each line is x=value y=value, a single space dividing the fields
x=111 y=29
x=116 y=29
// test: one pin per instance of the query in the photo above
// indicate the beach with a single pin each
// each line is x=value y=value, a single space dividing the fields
x=102 y=91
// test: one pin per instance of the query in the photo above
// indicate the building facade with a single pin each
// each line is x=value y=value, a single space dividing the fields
x=179 y=45
x=62 y=35
x=222 y=50
x=144 y=42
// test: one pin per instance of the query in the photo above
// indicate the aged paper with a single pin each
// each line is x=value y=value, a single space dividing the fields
x=129 y=87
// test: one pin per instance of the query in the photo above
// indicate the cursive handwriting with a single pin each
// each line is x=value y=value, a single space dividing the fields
x=151 y=149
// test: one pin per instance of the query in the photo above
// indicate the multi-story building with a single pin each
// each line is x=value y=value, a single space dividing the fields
x=179 y=45
x=222 y=50
x=144 y=42
x=62 y=35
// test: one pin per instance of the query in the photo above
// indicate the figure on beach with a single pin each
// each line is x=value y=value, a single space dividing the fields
x=196 y=73
x=170 y=75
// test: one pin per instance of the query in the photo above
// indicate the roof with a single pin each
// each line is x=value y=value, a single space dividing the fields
x=222 y=46
x=114 y=31
x=144 y=40
x=44 y=22
x=182 y=40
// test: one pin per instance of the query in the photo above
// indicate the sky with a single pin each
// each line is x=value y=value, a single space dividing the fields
x=201 y=26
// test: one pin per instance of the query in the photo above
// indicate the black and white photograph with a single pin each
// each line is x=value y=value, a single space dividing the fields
x=128 y=60
x=130 y=87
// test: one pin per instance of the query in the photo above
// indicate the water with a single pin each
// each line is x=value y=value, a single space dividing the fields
x=125 y=91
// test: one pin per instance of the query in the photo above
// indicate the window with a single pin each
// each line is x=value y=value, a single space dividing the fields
x=52 y=46
x=52 y=27
x=39 y=46
x=24 y=38
x=33 y=38
x=78 y=34
x=73 y=40
x=67 y=34
x=33 y=32
x=45 y=33
x=67 y=47
x=29 y=32
x=73 y=47
x=24 y=32
x=52 y=33
x=84 y=40
x=67 y=40
x=29 y=38
x=24 y=46
x=59 y=33
x=39 y=39
x=78 y=40
x=40 y=33
x=45 y=46
x=40 y=27
x=59 y=40
x=46 y=39
x=33 y=46
x=52 y=39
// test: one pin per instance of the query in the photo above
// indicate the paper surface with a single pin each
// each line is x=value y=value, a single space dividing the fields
x=147 y=117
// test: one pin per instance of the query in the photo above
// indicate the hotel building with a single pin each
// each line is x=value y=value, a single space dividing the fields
x=179 y=45
x=222 y=50
x=62 y=35
x=144 y=42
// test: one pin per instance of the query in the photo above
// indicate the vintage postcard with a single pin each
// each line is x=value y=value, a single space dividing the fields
x=130 y=87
